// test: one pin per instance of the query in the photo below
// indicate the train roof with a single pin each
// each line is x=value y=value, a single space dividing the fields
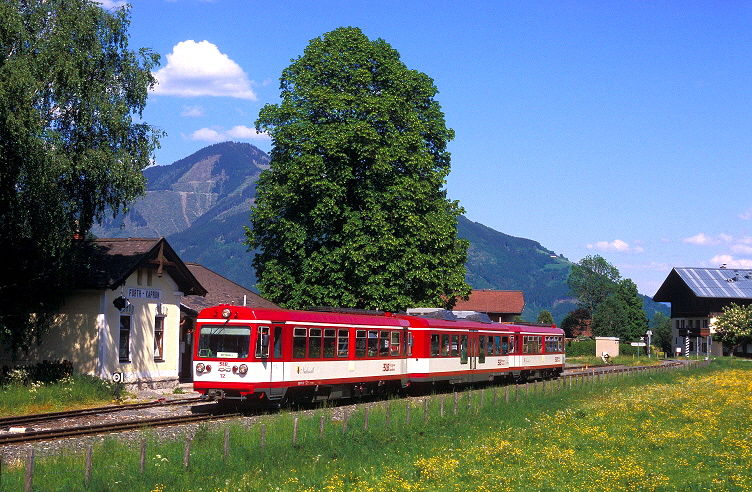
x=294 y=316
x=370 y=318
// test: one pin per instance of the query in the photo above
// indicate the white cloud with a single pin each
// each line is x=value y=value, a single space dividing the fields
x=200 y=69
x=741 y=249
x=701 y=240
x=239 y=132
x=747 y=215
x=730 y=262
x=192 y=111
x=616 y=246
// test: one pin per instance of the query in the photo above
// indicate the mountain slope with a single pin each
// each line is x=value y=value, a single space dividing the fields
x=201 y=203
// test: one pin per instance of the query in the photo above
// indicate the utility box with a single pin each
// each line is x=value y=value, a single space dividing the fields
x=609 y=345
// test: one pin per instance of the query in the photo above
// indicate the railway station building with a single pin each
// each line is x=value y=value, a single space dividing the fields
x=130 y=314
x=121 y=319
x=697 y=297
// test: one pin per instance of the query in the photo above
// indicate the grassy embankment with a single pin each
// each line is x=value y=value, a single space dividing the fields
x=686 y=430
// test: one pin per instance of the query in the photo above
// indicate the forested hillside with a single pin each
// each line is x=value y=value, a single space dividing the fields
x=201 y=203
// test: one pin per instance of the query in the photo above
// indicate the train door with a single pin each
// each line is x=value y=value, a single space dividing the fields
x=276 y=363
x=269 y=343
x=470 y=350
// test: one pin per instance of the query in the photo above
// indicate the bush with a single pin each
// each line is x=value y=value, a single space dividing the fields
x=577 y=348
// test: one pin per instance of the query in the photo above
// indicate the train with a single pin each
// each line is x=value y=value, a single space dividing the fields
x=278 y=356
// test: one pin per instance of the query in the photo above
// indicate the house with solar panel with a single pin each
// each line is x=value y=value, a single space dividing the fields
x=697 y=297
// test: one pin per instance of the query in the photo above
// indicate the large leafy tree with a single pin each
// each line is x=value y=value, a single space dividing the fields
x=734 y=327
x=353 y=211
x=592 y=280
x=71 y=144
x=621 y=314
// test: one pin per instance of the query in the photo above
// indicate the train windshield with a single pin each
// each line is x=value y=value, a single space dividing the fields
x=232 y=342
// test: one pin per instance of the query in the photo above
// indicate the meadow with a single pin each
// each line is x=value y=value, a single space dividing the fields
x=653 y=430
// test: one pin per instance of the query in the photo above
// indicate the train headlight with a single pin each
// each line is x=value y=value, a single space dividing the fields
x=226 y=313
x=243 y=369
x=200 y=367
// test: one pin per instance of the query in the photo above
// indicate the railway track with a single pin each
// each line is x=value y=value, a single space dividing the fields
x=8 y=422
x=87 y=430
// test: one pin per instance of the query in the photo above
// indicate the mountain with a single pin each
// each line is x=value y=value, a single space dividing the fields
x=201 y=203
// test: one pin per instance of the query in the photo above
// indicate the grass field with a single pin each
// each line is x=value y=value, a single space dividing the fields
x=675 y=430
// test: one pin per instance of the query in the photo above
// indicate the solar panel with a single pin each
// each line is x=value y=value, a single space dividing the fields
x=718 y=282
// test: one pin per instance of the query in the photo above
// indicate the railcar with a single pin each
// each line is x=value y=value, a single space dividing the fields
x=274 y=356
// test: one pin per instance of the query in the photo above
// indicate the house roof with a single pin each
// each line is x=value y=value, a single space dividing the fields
x=721 y=283
x=493 y=301
x=220 y=290
x=107 y=263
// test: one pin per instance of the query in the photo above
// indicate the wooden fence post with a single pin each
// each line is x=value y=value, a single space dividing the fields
x=263 y=435
x=365 y=419
x=455 y=402
x=29 y=484
x=441 y=411
x=344 y=423
x=227 y=442
x=295 y=431
x=142 y=460
x=407 y=413
x=425 y=410
x=388 y=413
x=187 y=453
x=87 y=474
x=321 y=426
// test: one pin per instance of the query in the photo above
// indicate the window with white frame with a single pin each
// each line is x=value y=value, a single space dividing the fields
x=159 y=338
x=124 y=345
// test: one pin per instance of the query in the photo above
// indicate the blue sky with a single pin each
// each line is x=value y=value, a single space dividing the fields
x=614 y=128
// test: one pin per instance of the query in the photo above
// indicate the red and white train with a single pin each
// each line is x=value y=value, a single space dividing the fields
x=269 y=356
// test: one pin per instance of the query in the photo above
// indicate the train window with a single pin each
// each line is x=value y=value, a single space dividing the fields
x=511 y=345
x=497 y=346
x=504 y=345
x=482 y=349
x=277 y=342
x=435 y=345
x=454 y=346
x=343 y=342
x=373 y=343
x=409 y=343
x=384 y=344
x=262 y=342
x=330 y=342
x=299 y=343
x=463 y=349
x=314 y=343
x=489 y=346
x=360 y=343
x=445 y=345
x=224 y=342
x=531 y=344
x=395 y=345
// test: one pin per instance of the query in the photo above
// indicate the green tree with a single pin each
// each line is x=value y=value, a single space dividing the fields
x=660 y=325
x=71 y=144
x=353 y=211
x=734 y=327
x=592 y=280
x=621 y=314
x=546 y=317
